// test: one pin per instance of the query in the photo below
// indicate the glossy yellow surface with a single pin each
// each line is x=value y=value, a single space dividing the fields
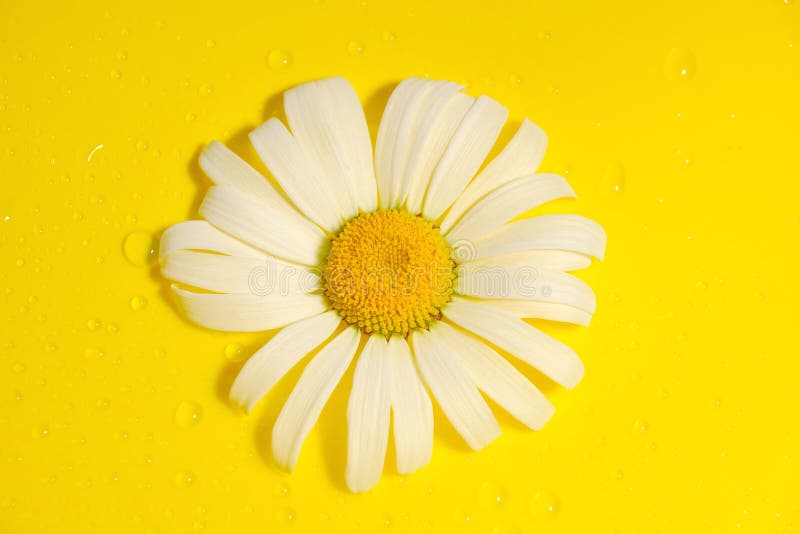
x=676 y=123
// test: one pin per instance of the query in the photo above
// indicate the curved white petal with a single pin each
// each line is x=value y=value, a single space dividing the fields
x=329 y=124
x=440 y=124
x=247 y=313
x=551 y=357
x=272 y=361
x=508 y=201
x=306 y=186
x=471 y=142
x=521 y=156
x=534 y=309
x=387 y=155
x=368 y=416
x=355 y=133
x=453 y=388
x=527 y=282
x=200 y=235
x=405 y=138
x=309 y=396
x=225 y=168
x=285 y=234
x=412 y=410
x=557 y=260
x=568 y=232
x=496 y=377
x=415 y=145
x=231 y=274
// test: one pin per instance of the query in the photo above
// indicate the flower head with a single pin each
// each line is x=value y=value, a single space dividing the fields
x=407 y=264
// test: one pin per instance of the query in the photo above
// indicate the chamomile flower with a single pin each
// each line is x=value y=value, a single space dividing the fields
x=405 y=265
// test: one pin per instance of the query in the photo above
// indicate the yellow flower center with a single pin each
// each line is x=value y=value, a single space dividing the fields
x=389 y=272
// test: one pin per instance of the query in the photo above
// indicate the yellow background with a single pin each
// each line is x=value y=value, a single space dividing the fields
x=676 y=123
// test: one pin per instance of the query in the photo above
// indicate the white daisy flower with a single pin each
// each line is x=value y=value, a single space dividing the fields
x=407 y=265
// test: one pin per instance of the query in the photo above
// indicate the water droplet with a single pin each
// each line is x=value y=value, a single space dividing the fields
x=545 y=36
x=514 y=80
x=138 y=303
x=680 y=64
x=50 y=347
x=282 y=490
x=93 y=324
x=234 y=352
x=184 y=479
x=211 y=43
x=190 y=117
x=389 y=36
x=618 y=474
x=613 y=179
x=505 y=529
x=122 y=55
x=116 y=74
x=279 y=59
x=140 y=248
x=20 y=262
x=492 y=494
x=112 y=328
x=103 y=403
x=142 y=145
x=640 y=425
x=684 y=156
x=188 y=414
x=19 y=367
x=544 y=505
x=93 y=352
x=701 y=285
x=287 y=515
x=40 y=431
x=355 y=47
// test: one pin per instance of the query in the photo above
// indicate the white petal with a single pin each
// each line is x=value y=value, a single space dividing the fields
x=412 y=144
x=496 y=377
x=551 y=357
x=389 y=133
x=406 y=137
x=425 y=158
x=508 y=201
x=230 y=274
x=534 y=309
x=285 y=234
x=225 y=168
x=304 y=184
x=520 y=157
x=527 y=282
x=309 y=396
x=272 y=361
x=572 y=233
x=469 y=146
x=557 y=260
x=368 y=416
x=328 y=122
x=199 y=235
x=412 y=410
x=247 y=313
x=453 y=388
x=358 y=146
